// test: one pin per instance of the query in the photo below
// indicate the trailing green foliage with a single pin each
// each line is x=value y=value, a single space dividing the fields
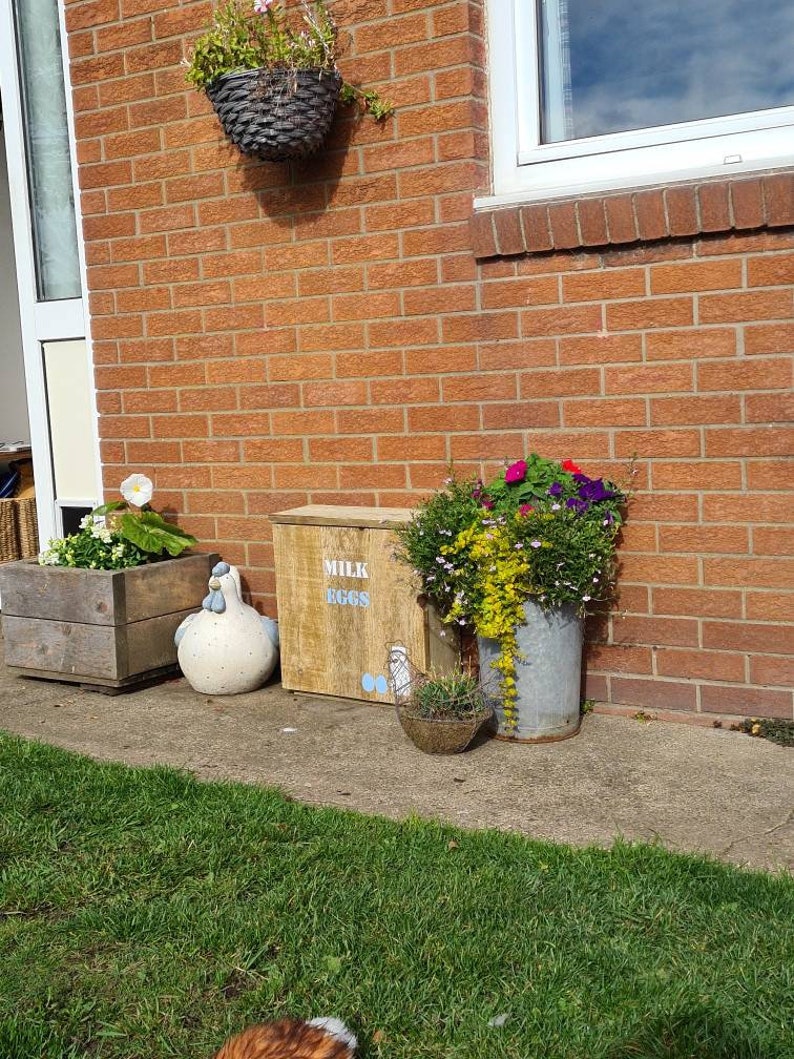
x=144 y=915
x=245 y=36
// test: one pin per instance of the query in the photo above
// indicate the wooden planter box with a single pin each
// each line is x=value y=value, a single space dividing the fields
x=343 y=600
x=112 y=629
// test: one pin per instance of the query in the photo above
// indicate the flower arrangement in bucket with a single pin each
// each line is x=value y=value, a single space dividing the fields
x=272 y=80
x=119 y=534
x=542 y=536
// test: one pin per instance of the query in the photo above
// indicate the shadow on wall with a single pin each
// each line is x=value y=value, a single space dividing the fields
x=317 y=176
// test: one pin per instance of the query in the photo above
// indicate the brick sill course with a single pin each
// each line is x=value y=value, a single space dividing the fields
x=738 y=205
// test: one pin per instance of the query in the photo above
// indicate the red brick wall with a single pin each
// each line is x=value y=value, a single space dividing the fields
x=267 y=335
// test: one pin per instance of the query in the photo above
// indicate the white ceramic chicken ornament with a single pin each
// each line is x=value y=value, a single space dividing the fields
x=226 y=647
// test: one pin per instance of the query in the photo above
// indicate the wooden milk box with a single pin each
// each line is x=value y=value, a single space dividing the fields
x=343 y=600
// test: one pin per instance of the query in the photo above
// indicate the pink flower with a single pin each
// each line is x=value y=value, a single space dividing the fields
x=516 y=472
x=262 y=6
x=525 y=509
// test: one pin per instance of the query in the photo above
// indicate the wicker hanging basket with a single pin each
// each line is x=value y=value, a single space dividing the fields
x=276 y=115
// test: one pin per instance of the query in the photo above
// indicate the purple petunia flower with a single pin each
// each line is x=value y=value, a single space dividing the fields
x=577 y=505
x=555 y=489
x=594 y=490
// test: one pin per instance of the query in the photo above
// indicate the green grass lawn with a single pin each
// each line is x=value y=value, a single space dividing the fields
x=145 y=914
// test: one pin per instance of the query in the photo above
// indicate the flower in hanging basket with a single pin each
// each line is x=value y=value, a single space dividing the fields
x=272 y=80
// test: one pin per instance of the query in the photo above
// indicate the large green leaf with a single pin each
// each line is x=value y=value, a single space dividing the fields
x=150 y=532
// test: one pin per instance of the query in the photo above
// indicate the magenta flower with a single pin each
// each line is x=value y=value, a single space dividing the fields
x=525 y=509
x=516 y=472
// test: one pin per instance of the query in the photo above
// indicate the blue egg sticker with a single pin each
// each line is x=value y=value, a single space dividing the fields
x=368 y=682
x=381 y=685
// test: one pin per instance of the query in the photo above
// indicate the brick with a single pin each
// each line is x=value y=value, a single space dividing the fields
x=570 y=382
x=766 y=475
x=648 y=379
x=715 y=206
x=761 y=507
x=483 y=235
x=777 y=541
x=650 y=214
x=681 y=205
x=747 y=702
x=769 y=338
x=649 y=313
x=668 y=694
x=611 y=412
x=672 y=632
x=751 y=306
x=521 y=414
x=779 y=199
x=514 y=293
x=770 y=606
x=598 y=286
x=701 y=665
x=748 y=636
x=621 y=222
x=747 y=202
x=770 y=669
x=479 y=388
x=656 y=443
x=691 y=344
x=563 y=225
x=752 y=572
x=601 y=348
x=682 y=411
x=704 y=539
x=701 y=476
x=698 y=602
x=770 y=270
x=741 y=375
x=592 y=222
x=620 y=658
x=696 y=276
x=758 y=441
x=537 y=231
x=509 y=235
x=565 y=320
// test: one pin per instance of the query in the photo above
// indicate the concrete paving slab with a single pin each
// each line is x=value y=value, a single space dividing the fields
x=690 y=788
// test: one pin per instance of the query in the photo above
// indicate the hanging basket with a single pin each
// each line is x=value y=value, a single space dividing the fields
x=276 y=115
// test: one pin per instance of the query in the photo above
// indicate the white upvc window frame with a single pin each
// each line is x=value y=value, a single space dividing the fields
x=524 y=170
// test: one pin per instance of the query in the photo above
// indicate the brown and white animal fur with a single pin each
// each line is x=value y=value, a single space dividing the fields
x=323 y=1038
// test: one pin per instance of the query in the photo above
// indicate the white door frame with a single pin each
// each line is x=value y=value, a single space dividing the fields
x=41 y=321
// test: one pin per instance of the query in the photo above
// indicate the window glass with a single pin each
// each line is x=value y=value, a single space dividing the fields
x=47 y=144
x=616 y=65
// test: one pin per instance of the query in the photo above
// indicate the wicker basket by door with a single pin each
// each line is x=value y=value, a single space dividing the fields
x=276 y=114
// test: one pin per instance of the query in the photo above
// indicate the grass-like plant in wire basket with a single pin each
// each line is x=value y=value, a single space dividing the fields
x=443 y=714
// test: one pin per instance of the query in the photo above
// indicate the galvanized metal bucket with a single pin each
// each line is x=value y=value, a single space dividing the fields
x=548 y=678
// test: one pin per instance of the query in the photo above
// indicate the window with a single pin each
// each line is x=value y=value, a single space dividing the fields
x=594 y=96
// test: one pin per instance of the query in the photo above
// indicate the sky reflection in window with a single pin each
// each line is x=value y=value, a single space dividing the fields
x=615 y=65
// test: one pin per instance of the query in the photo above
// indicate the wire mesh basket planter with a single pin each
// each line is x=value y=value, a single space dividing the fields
x=276 y=114
x=439 y=715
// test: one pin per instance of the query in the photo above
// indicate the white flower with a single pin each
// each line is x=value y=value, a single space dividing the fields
x=137 y=489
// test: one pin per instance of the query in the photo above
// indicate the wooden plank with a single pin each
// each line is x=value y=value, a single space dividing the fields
x=57 y=592
x=335 y=515
x=104 y=597
x=165 y=587
x=73 y=651
x=342 y=600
